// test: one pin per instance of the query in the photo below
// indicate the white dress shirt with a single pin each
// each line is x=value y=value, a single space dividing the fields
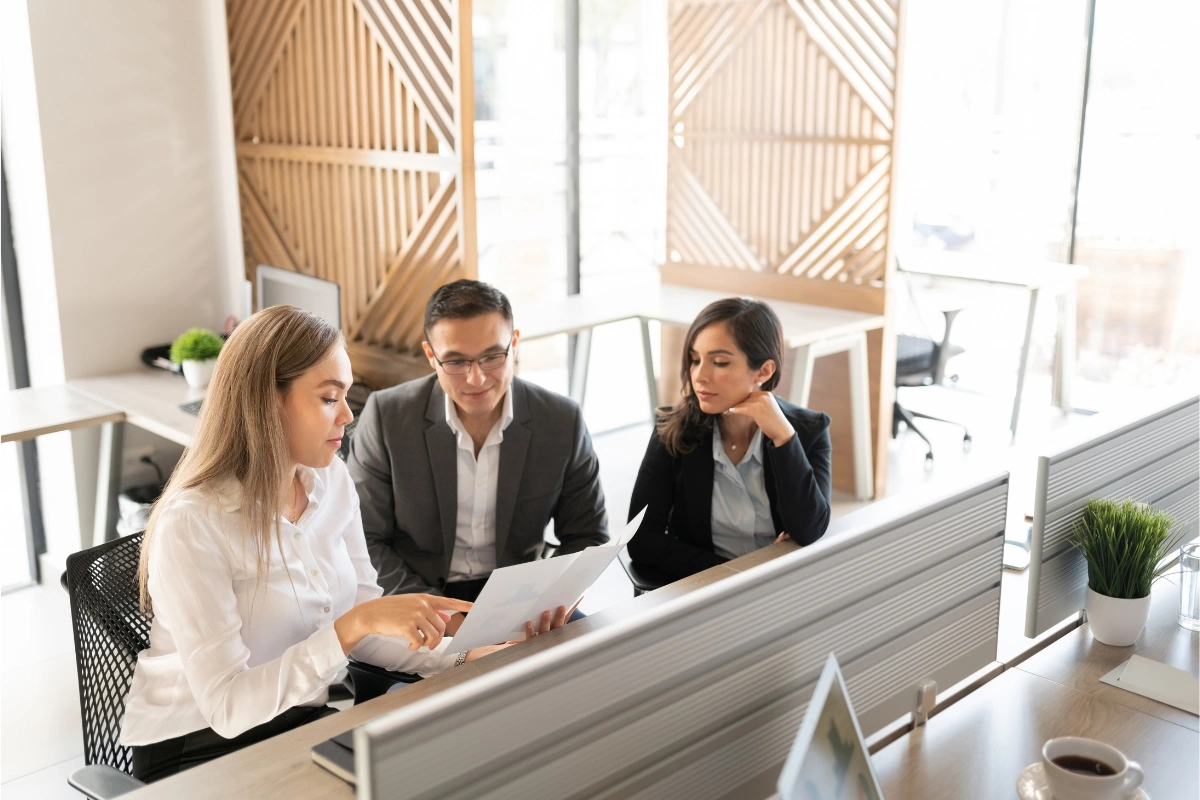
x=741 y=510
x=229 y=651
x=475 y=527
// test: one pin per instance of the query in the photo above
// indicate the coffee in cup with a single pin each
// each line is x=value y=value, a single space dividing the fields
x=1084 y=769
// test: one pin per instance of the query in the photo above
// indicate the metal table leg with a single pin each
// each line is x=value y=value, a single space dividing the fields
x=1023 y=369
x=108 y=482
x=577 y=380
x=648 y=364
x=1064 y=350
x=860 y=414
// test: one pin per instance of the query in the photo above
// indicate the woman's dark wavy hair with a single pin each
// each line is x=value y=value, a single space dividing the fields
x=758 y=334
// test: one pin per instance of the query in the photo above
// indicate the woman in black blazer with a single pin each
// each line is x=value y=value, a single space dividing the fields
x=732 y=467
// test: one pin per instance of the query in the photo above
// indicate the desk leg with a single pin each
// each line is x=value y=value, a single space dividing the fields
x=648 y=364
x=108 y=482
x=802 y=370
x=1023 y=368
x=578 y=378
x=860 y=415
x=1064 y=350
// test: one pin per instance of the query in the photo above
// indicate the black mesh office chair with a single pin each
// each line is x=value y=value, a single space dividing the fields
x=921 y=361
x=110 y=631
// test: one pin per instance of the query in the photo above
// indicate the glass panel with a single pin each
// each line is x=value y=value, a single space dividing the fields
x=1138 y=205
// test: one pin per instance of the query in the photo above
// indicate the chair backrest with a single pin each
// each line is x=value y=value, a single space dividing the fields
x=110 y=631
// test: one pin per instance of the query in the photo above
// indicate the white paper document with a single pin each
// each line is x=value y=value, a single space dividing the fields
x=520 y=593
x=1158 y=681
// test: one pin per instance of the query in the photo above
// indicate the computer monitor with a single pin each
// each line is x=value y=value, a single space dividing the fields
x=278 y=287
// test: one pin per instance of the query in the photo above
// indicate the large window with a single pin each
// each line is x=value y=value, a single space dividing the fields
x=990 y=134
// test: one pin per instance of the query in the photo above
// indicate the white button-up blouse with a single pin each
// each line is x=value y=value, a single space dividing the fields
x=229 y=650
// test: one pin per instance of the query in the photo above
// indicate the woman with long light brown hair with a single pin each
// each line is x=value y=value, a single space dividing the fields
x=254 y=564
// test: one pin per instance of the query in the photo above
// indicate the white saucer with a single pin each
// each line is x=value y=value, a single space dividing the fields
x=1031 y=785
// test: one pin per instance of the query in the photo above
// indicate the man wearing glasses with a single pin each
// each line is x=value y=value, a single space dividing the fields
x=460 y=472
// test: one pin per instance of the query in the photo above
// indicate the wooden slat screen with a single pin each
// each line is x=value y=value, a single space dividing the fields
x=781 y=121
x=353 y=165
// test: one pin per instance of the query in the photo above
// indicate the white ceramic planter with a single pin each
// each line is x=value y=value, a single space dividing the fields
x=198 y=373
x=1114 y=621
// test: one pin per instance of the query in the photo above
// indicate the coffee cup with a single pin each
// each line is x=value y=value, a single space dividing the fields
x=1084 y=769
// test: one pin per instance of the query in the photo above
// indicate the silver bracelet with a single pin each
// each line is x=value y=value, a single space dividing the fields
x=462 y=658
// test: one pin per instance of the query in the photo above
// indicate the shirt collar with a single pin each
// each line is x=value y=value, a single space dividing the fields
x=229 y=493
x=754 y=450
x=506 y=418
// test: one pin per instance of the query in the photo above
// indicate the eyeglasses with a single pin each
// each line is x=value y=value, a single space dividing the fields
x=461 y=366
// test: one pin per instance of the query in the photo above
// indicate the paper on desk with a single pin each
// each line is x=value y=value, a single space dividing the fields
x=1158 y=681
x=520 y=593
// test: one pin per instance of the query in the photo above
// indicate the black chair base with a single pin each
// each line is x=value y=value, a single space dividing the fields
x=909 y=418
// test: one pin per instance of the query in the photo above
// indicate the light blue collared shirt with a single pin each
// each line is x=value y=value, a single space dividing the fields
x=741 y=510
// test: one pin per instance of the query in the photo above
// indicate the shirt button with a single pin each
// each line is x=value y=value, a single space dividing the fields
x=326 y=609
x=297 y=535
x=314 y=573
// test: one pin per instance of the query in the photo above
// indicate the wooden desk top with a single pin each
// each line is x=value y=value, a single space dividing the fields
x=1007 y=271
x=150 y=399
x=978 y=747
x=26 y=413
x=282 y=767
x=1078 y=661
x=679 y=305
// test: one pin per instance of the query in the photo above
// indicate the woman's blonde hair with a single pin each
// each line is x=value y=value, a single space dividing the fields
x=240 y=435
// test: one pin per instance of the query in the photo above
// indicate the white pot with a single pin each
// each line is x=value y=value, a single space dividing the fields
x=1114 y=621
x=198 y=373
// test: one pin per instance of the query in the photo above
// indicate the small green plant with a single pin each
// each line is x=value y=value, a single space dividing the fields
x=1123 y=542
x=196 y=344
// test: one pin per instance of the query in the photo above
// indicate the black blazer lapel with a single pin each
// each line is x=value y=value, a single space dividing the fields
x=441 y=444
x=513 y=450
x=697 y=489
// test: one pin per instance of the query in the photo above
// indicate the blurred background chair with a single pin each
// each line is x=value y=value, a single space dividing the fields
x=921 y=361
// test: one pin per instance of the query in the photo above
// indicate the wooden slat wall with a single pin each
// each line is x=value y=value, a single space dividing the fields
x=355 y=150
x=781 y=168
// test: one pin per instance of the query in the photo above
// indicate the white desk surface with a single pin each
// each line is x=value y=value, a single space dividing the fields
x=150 y=398
x=26 y=413
x=678 y=305
x=1008 y=271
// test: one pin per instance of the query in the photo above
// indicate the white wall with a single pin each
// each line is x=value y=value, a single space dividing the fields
x=118 y=138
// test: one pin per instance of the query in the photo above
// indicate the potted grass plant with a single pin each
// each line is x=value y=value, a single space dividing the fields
x=1123 y=543
x=196 y=350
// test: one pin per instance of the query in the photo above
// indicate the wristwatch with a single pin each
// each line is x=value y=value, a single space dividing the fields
x=462 y=658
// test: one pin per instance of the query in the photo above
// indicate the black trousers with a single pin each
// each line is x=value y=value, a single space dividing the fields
x=152 y=762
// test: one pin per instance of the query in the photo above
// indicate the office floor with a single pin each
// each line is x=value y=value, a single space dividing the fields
x=39 y=715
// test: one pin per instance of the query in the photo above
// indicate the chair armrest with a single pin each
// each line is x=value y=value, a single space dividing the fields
x=371 y=681
x=643 y=579
x=943 y=349
x=101 y=782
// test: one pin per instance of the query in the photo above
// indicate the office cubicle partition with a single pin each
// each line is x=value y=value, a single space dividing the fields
x=702 y=696
x=1150 y=457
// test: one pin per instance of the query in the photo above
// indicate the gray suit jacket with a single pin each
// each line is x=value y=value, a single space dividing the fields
x=403 y=461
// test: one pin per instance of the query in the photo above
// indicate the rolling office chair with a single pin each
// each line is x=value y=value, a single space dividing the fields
x=110 y=630
x=921 y=361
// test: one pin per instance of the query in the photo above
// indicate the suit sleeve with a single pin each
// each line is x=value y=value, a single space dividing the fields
x=371 y=470
x=652 y=546
x=803 y=482
x=580 y=518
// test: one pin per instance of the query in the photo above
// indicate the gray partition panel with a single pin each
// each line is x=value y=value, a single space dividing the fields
x=701 y=696
x=1152 y=460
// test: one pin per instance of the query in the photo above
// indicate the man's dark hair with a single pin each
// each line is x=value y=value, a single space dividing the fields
x=466 y=299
